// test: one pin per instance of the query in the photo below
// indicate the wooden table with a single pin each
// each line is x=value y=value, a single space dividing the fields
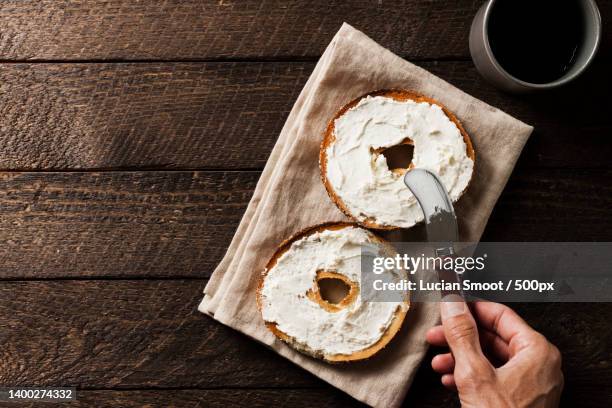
x=132 y=134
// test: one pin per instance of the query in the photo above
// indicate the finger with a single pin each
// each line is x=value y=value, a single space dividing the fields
x=461 y=332
x=490 y=342
x=435 y=336
x=448 y=380
x=443 y=363
x=501 y=320
x=494 y=345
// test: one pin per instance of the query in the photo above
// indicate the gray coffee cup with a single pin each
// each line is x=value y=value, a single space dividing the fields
x=492 y=71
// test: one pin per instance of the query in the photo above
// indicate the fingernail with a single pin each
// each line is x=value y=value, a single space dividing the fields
x=452 y=305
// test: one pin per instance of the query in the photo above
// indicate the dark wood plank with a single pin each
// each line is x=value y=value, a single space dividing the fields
x=63 y=116
x=134 y=334
x=119 y=223
x=160 y=29
x=179 y=224
x=228 y=115
x=422 y=395
x=222 y=398
x=123 y=29
x=147 y=334
x=553 y=205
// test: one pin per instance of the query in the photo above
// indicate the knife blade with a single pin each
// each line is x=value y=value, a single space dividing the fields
x=440 y=219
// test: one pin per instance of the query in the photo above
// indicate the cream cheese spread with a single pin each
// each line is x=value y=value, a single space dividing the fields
x=359 y=174
x=283 y=297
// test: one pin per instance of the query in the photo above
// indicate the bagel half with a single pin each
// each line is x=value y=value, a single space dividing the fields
x=312 y=295
x=329 y=138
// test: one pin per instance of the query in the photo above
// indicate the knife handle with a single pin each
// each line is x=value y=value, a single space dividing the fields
x=448 y=275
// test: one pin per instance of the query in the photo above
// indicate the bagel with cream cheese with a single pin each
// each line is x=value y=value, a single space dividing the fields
x=292 y=306
x=354 y=168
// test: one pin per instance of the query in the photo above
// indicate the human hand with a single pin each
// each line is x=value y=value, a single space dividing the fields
x=499 y=361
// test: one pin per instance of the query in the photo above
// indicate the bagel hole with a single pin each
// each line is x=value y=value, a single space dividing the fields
x=333 y=290
x=399 y=156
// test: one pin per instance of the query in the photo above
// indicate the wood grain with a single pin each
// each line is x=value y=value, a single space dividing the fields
x=553 y=205
x=119 y=223
x=221 y=398
x=180 y=29
x=129 y=339
x=147 y=334
x=62 y=116
x=179 y=224
x=127 y=334
x=228 y=115
x=432 y=396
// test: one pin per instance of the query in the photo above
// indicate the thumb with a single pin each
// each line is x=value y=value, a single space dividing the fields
x=461 y=332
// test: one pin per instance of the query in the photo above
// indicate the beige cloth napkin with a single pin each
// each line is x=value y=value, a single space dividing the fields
x=290 y=197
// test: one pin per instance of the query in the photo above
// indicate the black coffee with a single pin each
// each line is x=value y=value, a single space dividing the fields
x=536 y=40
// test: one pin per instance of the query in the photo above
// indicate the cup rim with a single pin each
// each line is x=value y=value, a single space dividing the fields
x=556 y=83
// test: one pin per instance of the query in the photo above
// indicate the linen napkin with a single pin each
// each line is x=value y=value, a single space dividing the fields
x=290 y=197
